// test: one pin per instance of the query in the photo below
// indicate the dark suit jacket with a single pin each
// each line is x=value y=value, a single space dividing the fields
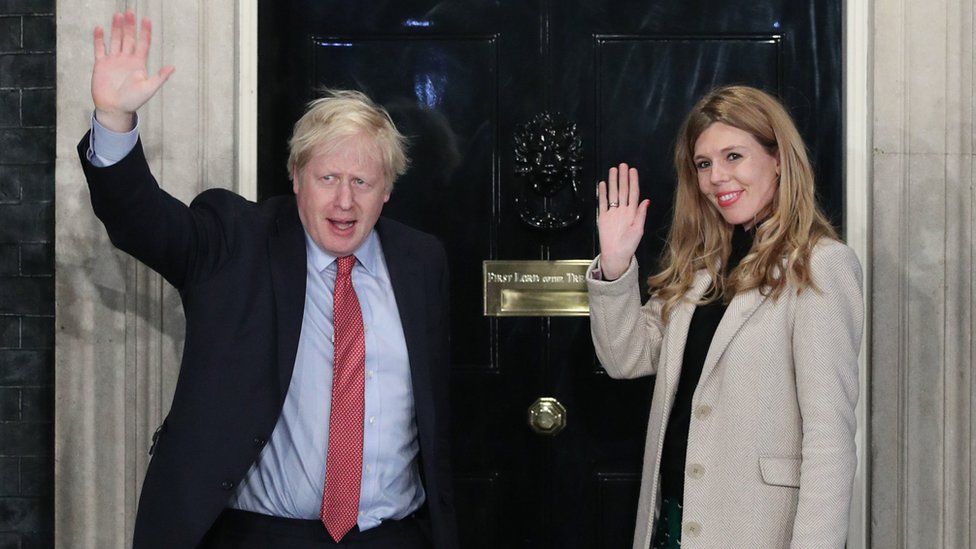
x=240 y=268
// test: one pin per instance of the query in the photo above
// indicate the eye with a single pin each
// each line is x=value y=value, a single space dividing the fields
x=328 y=178
x=702 y=164
x=357 y=182
x=733 y=156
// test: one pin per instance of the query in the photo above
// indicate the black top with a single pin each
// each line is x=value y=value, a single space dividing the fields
x=703 y=325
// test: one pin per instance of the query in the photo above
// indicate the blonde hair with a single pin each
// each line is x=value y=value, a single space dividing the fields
x=701 y=239
x=344 y=114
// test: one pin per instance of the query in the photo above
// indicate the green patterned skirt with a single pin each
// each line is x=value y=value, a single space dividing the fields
x=668 y=532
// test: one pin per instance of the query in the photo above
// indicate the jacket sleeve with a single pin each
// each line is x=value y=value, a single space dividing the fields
x=175 y=240
x=626 y=336
x=826 y=341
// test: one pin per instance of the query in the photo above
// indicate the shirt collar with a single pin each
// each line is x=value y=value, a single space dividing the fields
x=367 y=254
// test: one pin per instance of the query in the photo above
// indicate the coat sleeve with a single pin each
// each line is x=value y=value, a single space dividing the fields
x=179 y=242
x=626 y=336
x=826 y=341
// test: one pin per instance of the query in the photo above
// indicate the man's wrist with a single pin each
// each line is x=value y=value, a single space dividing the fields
x=119 y=122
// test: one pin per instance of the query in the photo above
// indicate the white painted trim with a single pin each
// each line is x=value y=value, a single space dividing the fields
x=247 y=99
x=857 y=184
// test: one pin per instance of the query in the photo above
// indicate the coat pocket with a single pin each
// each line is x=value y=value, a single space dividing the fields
x=780 y=471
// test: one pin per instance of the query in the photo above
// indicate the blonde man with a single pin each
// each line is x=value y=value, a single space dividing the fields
x=311 y=408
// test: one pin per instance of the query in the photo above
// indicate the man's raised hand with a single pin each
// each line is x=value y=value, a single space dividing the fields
x=120 y=83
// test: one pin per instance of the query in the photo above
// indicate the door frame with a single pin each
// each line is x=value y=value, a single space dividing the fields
x=856 y=47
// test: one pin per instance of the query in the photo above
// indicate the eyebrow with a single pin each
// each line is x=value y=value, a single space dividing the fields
x=725 y=150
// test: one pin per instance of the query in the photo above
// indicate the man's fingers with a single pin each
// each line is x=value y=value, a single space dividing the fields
x=145 y=38
x=161 y=77
x=99 y=43
x=129 y=33
x=115 y=40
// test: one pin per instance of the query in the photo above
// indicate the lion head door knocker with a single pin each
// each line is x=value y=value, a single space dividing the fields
x=548 y=163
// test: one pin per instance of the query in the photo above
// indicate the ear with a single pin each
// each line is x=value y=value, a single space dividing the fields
x=295 y=181
x=386 y=197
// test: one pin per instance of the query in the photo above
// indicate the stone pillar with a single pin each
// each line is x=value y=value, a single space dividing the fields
x=119 y=326
x=922 y=344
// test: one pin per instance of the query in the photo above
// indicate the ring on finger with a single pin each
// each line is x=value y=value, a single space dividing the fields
x=613 y=204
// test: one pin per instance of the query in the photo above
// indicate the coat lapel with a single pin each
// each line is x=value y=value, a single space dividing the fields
x=677 y=332
x=406 y=277
x=739 y=310
x=286 y=248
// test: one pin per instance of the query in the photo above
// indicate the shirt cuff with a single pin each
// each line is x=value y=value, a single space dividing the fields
x=106 y=147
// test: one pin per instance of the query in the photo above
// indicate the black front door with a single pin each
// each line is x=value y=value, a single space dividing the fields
x=461 y=78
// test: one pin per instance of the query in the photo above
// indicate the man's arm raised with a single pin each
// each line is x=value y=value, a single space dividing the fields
x=120 y=82
x=181 y=243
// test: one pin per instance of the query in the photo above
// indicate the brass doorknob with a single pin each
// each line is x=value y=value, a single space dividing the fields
x=547 y=416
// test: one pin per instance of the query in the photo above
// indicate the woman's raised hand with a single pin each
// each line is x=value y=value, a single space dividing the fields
x=120 y=83
x=620 y=220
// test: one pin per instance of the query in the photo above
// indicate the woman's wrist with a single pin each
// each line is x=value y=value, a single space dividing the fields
x=613 y=269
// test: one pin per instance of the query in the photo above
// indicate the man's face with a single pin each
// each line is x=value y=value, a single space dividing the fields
x=340 y=195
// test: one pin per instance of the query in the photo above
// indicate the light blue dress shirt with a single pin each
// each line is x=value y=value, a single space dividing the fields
x=288 y=477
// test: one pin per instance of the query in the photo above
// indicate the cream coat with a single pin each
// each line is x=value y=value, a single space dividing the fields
x=771 y=456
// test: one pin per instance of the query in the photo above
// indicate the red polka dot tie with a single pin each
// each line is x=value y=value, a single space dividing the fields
x=344 y=461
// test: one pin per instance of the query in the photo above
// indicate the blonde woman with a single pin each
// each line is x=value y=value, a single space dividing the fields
x=753 y=329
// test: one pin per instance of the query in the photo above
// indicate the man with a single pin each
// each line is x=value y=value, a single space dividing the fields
x=311 y=408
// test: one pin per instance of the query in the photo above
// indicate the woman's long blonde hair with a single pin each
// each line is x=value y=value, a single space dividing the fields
x=701 y=239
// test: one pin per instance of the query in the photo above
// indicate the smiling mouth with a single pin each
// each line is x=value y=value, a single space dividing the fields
x=727 y=199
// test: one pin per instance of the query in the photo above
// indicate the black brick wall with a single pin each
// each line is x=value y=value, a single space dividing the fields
x=27 y=119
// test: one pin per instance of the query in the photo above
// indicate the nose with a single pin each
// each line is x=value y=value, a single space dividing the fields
x=718 y=174
x=344 y=195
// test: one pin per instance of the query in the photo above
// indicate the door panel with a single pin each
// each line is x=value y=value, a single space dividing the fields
x=644 y=85
x=460 y=78
x=442 y=94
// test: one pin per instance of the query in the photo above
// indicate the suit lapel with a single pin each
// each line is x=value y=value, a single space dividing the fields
x=740 y=309
x=286 y=248
x=406 y=277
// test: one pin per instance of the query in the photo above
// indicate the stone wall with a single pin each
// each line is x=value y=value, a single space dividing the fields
x=27 y=119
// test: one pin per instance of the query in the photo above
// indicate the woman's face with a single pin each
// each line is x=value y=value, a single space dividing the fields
x=735 y=173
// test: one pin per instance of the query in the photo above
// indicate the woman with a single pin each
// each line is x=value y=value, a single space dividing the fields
x=752 y=329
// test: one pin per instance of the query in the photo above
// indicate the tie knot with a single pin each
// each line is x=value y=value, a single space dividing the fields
x=345 y=264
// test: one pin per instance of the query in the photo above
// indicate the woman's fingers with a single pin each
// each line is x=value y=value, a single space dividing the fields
x=623 y=190
x=641 y=216
x=620 y=190
x=633 y=197
x=612 y=188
